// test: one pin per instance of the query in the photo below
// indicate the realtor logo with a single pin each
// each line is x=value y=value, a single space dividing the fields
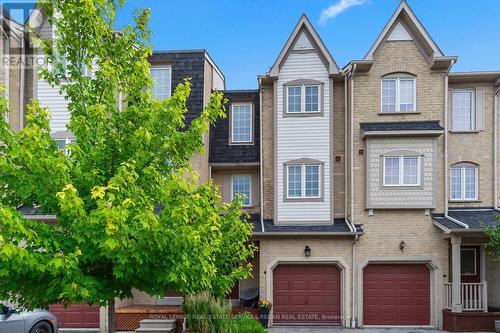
x=22 y=21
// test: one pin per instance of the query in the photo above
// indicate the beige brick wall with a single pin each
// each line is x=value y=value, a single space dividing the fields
x=391 y=57
x=222 y=178
x=284 y=248
x=338 y=148
x=267 y=130
x=478 y=149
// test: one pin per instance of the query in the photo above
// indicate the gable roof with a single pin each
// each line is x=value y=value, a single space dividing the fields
x=305 y=26
x=405 y=18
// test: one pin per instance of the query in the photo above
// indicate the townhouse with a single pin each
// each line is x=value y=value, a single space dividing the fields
x=369 y=186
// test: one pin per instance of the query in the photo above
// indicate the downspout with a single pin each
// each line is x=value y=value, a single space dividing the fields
x=354 y=242
x=346 y=80
x=446 y=194
x=260 y=159
x=21 y=83
x=495 y=148
x=352 y=143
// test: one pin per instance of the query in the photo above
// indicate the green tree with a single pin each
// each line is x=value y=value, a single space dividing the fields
x=130 y=212
x=494 y=243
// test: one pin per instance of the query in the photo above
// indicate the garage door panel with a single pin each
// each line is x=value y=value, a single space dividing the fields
x=396 y=295
x=313 y=294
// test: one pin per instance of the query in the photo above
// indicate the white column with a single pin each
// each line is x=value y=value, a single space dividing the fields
x=456 y=299
x=103 y=319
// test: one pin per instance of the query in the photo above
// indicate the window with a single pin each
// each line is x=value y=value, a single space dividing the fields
x=161 y=82
x=401 y=171
x=242 y=185
x=468 y=261
x=303 y=181
x=62 y=144
x=399 y=94
x=464 y=182
x=241 y=123
x=463 y=113
x=303 y=99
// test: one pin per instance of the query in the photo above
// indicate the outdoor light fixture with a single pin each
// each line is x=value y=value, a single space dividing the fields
x=307 y=251
x=402 y=245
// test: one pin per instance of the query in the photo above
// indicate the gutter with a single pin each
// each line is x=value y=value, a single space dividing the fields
x=495 y=148
x=312 y=233
x=260 y=160
x=446 y=194
x=350 y=224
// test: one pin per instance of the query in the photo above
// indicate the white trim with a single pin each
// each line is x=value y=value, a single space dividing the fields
x=403 y=6
x=338 y=261
x=303 y=98
x=398 y=79
x=462 y=184
x=251 y=123
x=473 y=125
x=249 y=188
x=163 y=67
x=303 y=180
x=401 y=170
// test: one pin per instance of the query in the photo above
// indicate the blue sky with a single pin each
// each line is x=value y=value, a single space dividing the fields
x=244 y=37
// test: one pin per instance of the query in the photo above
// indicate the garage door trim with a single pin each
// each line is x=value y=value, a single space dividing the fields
x=430 y=261
x=339 y=262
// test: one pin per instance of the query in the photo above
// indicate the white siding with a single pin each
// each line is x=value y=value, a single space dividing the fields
x=49 y=97
x=58 y=106
x=303 y=137
x=303 y=43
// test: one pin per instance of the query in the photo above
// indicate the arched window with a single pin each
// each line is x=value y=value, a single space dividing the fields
x=399 y=93
x=464 y=181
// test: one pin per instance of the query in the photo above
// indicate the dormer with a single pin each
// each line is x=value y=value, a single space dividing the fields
x=304 y=39
x=405 y=26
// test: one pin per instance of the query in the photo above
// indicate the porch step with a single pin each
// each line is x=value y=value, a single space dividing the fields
x=156 y=326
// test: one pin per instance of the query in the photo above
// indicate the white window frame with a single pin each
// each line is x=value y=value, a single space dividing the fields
x=401 y=170
x=303 y=180
x=251 y=124
x=303 y=98
x=169 y=68
x=462 y=183
x=249 y=189
x=473 y=126
x=398 y=92
x=475 y=260
x=67 y=141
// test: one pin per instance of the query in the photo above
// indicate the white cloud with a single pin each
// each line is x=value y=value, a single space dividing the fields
x=337 y=8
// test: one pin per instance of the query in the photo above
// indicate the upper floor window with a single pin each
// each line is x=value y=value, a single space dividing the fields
x=162 y=82
x=463 y=111
x=303 y=181
x=399 y=94
x=402 y=170
x=242 y=185
x=303 y=98
x=464 y=182
x=63 y=143
x=241 y=123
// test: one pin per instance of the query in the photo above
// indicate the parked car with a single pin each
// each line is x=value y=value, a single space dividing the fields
x=15 y=321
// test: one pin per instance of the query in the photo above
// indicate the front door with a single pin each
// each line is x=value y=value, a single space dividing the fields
x=470 y=264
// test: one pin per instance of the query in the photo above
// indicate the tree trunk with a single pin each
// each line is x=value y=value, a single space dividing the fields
x=111 y=316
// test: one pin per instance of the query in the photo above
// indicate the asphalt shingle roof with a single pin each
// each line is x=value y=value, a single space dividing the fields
x=474 y=218
x=426 y=125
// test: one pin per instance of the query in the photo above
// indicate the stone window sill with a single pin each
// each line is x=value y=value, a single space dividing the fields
x=397 y=113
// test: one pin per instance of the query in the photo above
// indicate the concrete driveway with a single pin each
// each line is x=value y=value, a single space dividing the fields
x=336 y=329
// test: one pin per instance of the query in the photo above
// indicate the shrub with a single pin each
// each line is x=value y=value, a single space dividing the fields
x=245 y=323
x=207 y=314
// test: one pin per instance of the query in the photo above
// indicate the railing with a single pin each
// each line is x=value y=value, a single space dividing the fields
x=447 y=295
x=474 y=296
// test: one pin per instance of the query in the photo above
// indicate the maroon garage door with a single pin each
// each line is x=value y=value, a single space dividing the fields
x=76 y=316
x=396 y=295
x=306 y=294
